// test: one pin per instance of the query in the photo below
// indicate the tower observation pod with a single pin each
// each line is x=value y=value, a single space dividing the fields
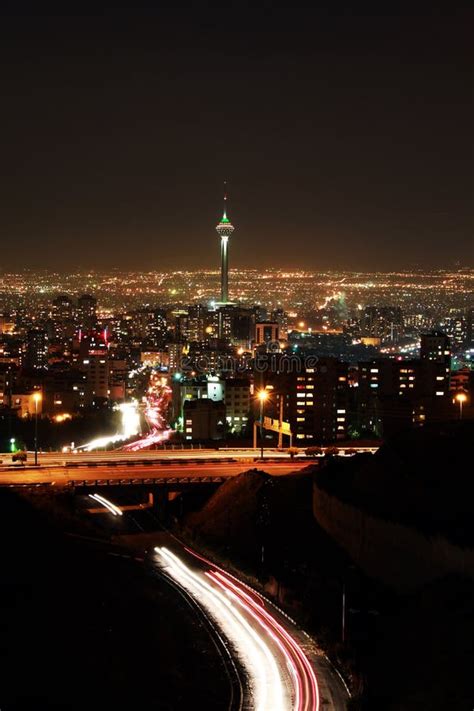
x=225 y=229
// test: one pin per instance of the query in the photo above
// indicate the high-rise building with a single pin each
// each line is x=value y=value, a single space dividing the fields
x=158 y=328
x=36 y=355
x=7 y=323
x=395 y=394
x=87 y=311
x=6 y=383
x=204 y=420
x=62 y=308
x=96 y=368
x=235 y=325
x=225 y=229
x=313 y=399
x=384 y=322
x=456 y=327
x=197 y=319
x=266 y=332
x=470 y=327
x=237 y=403
x=436 y=346
x=280 y=317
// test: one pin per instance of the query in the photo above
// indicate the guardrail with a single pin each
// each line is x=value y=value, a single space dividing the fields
x=148 y=481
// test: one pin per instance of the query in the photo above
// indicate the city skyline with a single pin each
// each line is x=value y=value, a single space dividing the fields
x=345 y=138
x=236 y=357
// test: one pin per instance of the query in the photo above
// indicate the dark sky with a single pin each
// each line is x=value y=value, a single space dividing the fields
x=346 y=137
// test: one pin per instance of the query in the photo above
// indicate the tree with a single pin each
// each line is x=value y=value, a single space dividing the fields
x=292 y=451
x=313 y=451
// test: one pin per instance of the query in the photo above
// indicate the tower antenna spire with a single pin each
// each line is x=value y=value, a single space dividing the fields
x=225 y=198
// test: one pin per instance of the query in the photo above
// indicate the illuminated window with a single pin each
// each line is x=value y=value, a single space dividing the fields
x=439 y=392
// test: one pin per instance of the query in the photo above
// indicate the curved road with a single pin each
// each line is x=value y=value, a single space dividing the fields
x=284 y=670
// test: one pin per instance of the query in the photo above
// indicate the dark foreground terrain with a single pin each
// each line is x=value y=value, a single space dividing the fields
x=82 y=627
x=402 y=652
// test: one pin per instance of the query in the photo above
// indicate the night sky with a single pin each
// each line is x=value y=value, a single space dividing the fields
x=346 y=138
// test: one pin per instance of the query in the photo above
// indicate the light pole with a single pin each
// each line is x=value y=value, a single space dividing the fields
x=37 y=399
x=461 y=399
x=263 y=397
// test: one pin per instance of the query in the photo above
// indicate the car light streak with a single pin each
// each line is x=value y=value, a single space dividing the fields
x=269 y=631
x=108 y=504
x=253 y=593
x=309 y=699
x=265 y=677
x=156 y=403
x=130 y=427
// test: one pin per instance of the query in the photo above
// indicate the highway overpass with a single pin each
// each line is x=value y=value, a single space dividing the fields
x=141 y=471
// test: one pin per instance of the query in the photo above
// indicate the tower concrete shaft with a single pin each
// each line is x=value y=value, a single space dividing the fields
x=224 y=269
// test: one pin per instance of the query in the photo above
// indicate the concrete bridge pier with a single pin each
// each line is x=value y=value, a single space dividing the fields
x=160 y=504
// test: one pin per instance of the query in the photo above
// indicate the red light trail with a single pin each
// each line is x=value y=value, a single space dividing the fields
x=156 y=404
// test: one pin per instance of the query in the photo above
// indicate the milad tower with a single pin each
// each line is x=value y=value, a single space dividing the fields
x=224 y=229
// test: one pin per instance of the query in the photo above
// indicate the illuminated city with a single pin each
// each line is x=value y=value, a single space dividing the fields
x=237 y=359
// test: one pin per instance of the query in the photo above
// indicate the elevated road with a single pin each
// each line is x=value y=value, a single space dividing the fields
x=237 y=453
x=61 y=476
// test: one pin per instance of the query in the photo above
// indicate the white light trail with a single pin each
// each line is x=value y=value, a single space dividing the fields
x=306 y=690
x=264 y=675
x=115 y=510
x=130 y=428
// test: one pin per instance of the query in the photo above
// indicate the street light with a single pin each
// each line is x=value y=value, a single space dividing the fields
x=37 y=397
x=461 y=399
x=263 y=397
